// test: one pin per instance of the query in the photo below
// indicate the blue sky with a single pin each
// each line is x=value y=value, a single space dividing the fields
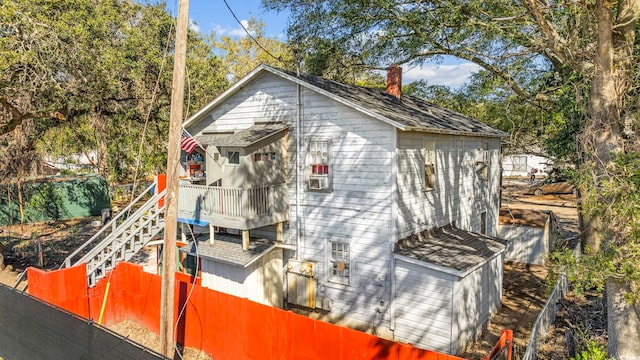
x=213 y=15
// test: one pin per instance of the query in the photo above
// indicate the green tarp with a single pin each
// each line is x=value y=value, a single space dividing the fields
x=54 y=198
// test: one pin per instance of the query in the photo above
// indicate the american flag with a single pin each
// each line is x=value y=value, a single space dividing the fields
x=187 y=143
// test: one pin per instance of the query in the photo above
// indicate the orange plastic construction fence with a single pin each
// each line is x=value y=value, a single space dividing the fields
x=225 y=326
x=503 y=348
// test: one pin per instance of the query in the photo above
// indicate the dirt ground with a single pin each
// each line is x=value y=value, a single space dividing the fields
x=150 y=340
x=19 y=245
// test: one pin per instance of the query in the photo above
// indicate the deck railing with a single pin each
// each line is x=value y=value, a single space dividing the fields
x=234 y=202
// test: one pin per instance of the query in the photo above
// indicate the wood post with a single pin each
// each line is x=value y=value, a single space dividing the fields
x=245 y=240
x=280 y=232
x=212 y=233
x=167 y=339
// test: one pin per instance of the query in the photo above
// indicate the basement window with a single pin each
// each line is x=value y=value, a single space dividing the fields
x=339 y=263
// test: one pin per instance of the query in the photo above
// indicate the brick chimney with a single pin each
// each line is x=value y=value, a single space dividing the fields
x=394 y=81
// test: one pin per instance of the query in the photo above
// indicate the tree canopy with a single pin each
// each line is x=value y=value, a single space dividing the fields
x=577 y=62
x=94 y=76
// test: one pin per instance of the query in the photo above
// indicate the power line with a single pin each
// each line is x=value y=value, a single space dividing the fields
x=249 y=34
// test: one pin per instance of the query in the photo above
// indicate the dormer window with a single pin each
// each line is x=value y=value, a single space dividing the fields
x=233 y=157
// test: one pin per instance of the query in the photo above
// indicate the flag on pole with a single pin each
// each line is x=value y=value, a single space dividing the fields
x=187 y=143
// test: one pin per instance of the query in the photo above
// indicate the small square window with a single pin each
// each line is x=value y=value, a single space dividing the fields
x=234 y=157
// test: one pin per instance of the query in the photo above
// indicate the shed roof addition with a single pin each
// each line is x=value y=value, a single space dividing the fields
x=228 y=249
x=243 y=138
x=451 y=247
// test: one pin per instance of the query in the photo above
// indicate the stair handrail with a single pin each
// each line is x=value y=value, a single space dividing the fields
x=111 y=224
x=131 y=220
x=96 y=265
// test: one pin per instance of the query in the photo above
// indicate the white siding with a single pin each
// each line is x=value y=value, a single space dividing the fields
x=376 y=199
x=527 y=244
x=460 y=194
x=476 y=297
x=443 y=312
x=424 y=306
x=356 y=211
x=224 y=277
x=268 y=97
x=260 y=282
x=541 y=163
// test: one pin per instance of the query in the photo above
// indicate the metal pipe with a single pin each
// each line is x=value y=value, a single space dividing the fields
x=298 y=165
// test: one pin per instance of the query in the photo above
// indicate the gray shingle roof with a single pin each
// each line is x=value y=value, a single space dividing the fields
x=414 y=113
x=243 y=138
x=450 y=247
x=228 y=249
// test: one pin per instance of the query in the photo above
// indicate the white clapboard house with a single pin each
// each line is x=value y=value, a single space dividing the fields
x=368 y=208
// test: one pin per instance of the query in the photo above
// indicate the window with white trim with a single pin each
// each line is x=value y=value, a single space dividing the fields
x=339 y=263
x=486 y=161
x=519 y=163
x=234 y=157
x=319 y=169
x=429 y=165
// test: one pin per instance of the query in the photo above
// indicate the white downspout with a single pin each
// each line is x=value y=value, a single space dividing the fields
x=393 y=230
x=298 y=165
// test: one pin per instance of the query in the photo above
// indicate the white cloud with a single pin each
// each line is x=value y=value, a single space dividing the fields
x=233 y=32
x=447 y=75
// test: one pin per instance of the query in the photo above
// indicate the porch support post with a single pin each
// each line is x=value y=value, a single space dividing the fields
x=245 y=240
x=280 y=231
x=183 y=234
x=211 y=233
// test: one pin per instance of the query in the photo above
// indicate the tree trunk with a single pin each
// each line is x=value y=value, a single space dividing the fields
x=623 y=323
x=602 y=136
x=20 y=208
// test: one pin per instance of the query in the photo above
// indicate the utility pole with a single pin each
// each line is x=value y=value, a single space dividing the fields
x=167 y=342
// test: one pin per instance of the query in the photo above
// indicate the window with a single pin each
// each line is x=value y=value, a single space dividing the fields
x=191 y=266
x=339 y=263
x=483 y=222
x=519 y=163
x=319 y=168
x=486 y=161
x=234 y=157
x=429 y=165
